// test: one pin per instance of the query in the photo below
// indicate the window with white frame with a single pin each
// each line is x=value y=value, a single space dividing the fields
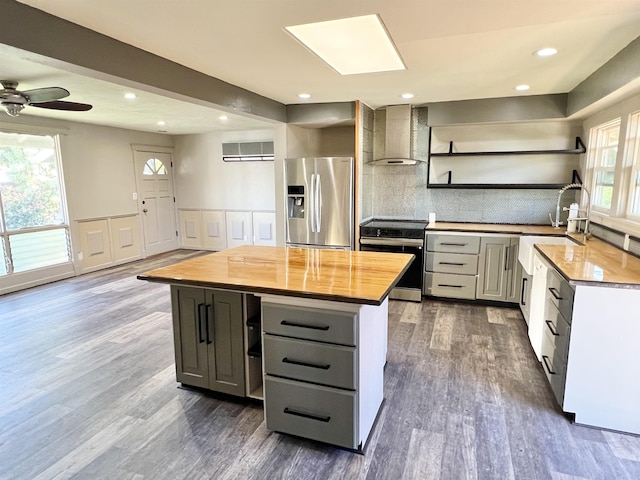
x=34 y=228
x=603 y=146
x=633 y=159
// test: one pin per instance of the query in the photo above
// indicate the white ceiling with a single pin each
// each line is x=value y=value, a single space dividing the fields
x=453 y=49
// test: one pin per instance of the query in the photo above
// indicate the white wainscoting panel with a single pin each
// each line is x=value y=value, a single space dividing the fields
x=264 y=225
x=215 y=236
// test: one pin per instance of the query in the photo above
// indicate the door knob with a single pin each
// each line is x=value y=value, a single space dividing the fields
x=144 y=210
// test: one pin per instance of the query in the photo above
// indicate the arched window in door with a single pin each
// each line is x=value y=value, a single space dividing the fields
x=154 y=166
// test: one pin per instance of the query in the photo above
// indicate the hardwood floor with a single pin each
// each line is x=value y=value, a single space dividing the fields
x=88 y=391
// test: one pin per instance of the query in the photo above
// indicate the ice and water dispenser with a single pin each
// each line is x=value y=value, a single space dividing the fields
x=295 y=201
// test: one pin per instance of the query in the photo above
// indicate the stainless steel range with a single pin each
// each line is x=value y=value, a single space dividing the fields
x=398 y=236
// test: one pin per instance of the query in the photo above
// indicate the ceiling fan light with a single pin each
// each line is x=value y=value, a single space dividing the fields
x=13 y=109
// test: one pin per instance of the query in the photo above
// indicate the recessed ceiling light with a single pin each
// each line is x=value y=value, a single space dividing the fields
x=223 y=118
x=304 y=96
x=407 y=96
x=546 y=52
x=522 y=88
x=351 y=45
x=162 y=123
x=130 y=96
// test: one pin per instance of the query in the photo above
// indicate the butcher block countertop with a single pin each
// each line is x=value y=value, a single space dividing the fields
x=495 y=228
x=343 y=276
x=594 y=261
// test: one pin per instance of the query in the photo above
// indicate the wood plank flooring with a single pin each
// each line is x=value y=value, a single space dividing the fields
x=88 y=391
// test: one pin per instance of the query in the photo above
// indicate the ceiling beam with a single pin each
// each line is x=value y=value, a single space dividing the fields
x=69 y=46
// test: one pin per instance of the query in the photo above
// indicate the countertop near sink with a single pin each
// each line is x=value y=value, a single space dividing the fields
x=495 y=228
x=595 y=261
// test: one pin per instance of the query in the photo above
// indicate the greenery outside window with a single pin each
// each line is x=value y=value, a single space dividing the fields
x=603 y=154
x=33 y=220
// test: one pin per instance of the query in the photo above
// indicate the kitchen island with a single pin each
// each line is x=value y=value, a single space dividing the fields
x=304 y=329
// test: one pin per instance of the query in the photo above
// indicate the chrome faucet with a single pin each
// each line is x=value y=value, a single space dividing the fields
x=558 y=223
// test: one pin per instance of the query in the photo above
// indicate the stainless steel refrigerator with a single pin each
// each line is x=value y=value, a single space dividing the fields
x=320 y=202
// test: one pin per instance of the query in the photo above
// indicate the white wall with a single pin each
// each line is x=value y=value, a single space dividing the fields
x=205 y=181
x=99 y=171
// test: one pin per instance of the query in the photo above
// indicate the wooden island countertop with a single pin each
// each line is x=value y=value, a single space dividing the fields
x=344 y=276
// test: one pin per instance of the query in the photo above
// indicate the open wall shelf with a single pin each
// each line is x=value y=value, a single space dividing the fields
x=450 y=174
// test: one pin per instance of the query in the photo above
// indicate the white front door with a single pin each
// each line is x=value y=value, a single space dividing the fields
x=155 y=201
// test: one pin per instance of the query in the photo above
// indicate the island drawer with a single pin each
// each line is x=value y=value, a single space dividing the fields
x=557 y=328
x=450 y=285
x=560 y=293
x=309 y=323
x=459 y=263
x=437 y=242
x=321 y=363
x=311 y=411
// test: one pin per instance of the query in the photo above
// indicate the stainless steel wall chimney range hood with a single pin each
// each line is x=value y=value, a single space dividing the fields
x=393 y=136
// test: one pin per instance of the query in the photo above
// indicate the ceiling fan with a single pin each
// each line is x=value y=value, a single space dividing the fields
x=14 y=100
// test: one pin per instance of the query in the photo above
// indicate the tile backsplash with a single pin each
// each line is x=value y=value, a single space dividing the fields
x=400 y=192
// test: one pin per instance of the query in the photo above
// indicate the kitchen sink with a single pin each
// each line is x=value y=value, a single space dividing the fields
x=526 y=250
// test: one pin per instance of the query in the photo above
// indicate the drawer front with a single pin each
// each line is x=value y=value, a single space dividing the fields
x=331 y=365
x=311 y=411
x=560 y=293
x=309 y=323
x=554 y=367
x=460 y=263
x=453 y=243
x=450 y=285
x=558 y=329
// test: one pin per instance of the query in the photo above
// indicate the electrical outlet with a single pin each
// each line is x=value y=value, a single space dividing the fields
x=80 y=256
x=135 y=195
x=625 y=244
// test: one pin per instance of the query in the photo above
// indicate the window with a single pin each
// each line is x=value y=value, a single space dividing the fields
x=604 y=151
x=154 y=166
x=633 y=156
x=33 y=218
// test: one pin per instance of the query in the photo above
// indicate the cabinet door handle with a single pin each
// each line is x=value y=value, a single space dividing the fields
x=320 y=418
x=289 y=323
x=546 y=365
x=550 y=325
x=452 y=263
x=449 y=244
x=506 y=258
x=209 y=308
x=524 y=286
x=200 y=339
x=450 y=286
x=555 y=293
x=326 y=366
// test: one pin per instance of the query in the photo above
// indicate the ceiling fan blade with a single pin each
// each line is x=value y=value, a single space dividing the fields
x=61 y=105
x=48 y=94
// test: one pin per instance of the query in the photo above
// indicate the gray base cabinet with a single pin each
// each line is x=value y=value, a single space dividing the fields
x=498 y=269
x=208 y=338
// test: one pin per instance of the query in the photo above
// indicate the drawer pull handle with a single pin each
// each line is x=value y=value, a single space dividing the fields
x=524 y=286
x=449 y=286
x=546 y=365
x=305 y=364
x=288 y=411
x=452 y=263
x=304 y=325
x=555 y=293
x=550 y=325
x=449 y=244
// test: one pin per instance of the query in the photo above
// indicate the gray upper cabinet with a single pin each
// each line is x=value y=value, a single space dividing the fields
x=208 y=338
x=498 y=276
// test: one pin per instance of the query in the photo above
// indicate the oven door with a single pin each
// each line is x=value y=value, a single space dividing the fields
x=409 y=287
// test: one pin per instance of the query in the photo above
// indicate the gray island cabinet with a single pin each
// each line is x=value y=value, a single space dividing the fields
x=208 y=338
x=303 y=329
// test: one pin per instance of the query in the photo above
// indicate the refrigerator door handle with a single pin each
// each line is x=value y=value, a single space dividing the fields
x=318 y=203
x=312 y=201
